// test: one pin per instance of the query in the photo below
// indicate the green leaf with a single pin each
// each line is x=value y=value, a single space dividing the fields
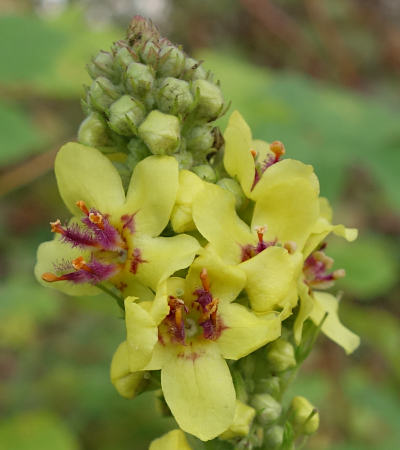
x=18 y=136
x=36 y=430
x=370 y=264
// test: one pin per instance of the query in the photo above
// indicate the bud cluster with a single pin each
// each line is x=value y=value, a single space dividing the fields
x=148 y=97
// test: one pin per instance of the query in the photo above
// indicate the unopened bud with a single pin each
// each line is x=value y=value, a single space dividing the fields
x=304 y=416
x=205 y=172
x=233 y=186
x=193 y=70
x=126 y=114
x=209 y=97
x=149 y=53
x=280 y=355
x=122 y=59
x=101 y=65
x=174 y=96
x=93 y=131
x=273 y=438
x=171 y=61
x=269 y=385
x=139 y=78
x=268 y=409
x=102 y=93
x=200 y=138
x=137 y=151
x=242 y=420
x=160 y=132
x=141 y=29
x=185 y=159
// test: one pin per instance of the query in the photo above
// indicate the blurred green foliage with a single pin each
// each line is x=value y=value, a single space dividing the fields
x=55 y=351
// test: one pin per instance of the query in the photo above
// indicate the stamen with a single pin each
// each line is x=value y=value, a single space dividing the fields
x=260 y=233
x=97 y=219
x=51 y=277
x=339 y=273
x=253 y=153
x=204 y=279
x=278 y=149
x=80 y=264
x=82 y=206
x=56 y=227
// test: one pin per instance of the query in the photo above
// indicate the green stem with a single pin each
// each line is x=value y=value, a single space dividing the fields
x=120 y=300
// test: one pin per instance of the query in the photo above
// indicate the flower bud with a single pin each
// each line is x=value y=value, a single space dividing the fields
x=137 y=151
x=102 y=93
x=304 y=416
x=205 y=172
x=122 y=59
x=269 y=385
x=268 y=409
x=273 y=438
x=193 y=70
x=125 y=115
x=233 y=186
x=242 y=420
x=127 y=383
x=185 y=159
x=210 y=100
x=93 y=131
x=101 y=65
x=149 y=53
x=171 y=62
x=139 y=78
x=200 y=138
x=141 y=30
x=280 y=355
x=160 y=132
x=174 y=96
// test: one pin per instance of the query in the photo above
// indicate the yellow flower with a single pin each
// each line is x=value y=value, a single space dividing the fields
x=174 y=440
x=114 y=236
x=315 y=275
x=188 y=331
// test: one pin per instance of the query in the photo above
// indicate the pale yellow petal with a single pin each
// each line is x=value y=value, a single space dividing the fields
x=84 y=173
x=198 y=389
x=174 y=440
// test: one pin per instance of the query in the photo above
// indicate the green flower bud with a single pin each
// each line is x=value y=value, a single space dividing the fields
x=210 y=100
x=102 y=93
x=233 y=186
x=149 y=53
x=93 y=131
x=193 y=70
x=101 y=65
x=205 y=172
x=280 y=355
x=139 y=78
x=174 y=96
x=273 y=438
x=269 y=385
x=122 y=59
x=161 y=133
x=171 y=62
x=242 y=420
x=141 y=30
x=304 y=416
x=268 y=409
x=185 y=159
x=248 y=366
x=126 y=114
x=200 y=139
x=137 y=151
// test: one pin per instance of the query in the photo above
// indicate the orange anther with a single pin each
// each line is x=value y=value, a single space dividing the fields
x=82 y=206
x=339 y=273
x=253 y=153
x=79 y=263
x=56 y=227
x=277 y=148
x=96 y=218
x=260 y=233
x=204 y=279
x=50 y=277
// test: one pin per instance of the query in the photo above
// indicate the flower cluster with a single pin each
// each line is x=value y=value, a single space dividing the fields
x=207 y=274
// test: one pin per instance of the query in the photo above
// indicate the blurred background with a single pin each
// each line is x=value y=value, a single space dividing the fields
x=323 y=77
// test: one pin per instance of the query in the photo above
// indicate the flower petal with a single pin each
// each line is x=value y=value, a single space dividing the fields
x=163 y=256
x=189 y=186
x=215 y=217
x=127 y=383
x=53 y=252
x=287 y=202
x=226 y=281
x=152 y=193
x=245 y=332
x=238 y=160
x=142 y=334
x=332 y=327
x=198 y=388
x=174 y=440
x=269 y=276
x=84 y=173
